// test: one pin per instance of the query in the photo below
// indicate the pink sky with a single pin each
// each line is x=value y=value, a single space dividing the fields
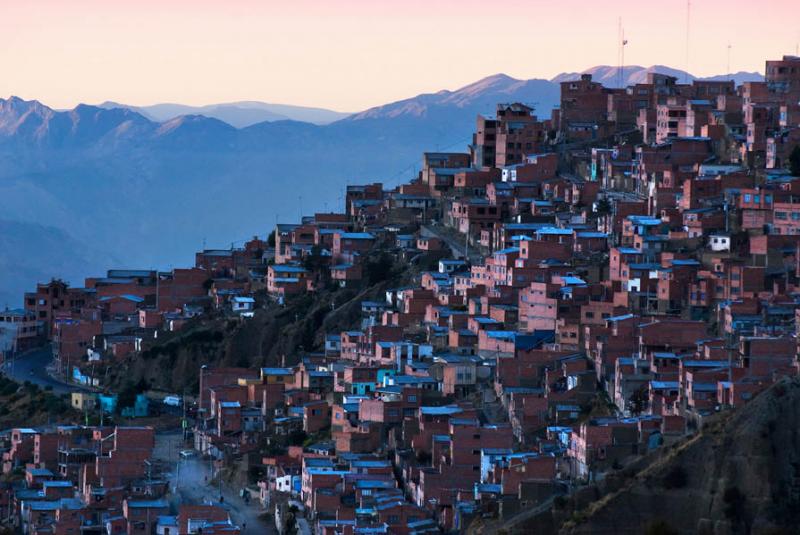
x=353 y=54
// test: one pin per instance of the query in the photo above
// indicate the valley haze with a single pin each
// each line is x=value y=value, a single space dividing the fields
x=145 y=187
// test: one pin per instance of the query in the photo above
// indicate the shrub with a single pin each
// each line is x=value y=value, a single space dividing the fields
x=734 y=503
x=794 y=161
x=660 y=527
x=676 y=478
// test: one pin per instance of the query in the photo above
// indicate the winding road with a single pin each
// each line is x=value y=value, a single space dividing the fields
x=32 y=366
x=190 y=484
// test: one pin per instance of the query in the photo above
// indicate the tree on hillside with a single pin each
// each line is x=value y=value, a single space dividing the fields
x=794 y=161
x=378 y=269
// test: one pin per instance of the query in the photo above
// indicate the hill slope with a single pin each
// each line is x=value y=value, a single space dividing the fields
x=739 y=475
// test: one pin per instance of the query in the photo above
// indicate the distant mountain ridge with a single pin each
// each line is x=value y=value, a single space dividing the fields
x=484 y=94
x=635 y=74
x=236 y=114
x=137 y=192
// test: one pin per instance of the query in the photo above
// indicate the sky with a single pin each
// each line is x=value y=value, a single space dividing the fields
x=349 y=55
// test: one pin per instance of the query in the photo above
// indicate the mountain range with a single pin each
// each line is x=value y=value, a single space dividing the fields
x=237 y=114
x=635 y=74
x=96 y=187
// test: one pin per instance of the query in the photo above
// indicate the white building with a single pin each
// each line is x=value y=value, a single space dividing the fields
x=243 y=305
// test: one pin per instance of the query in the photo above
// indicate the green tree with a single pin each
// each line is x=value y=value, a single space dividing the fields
x=378 y=269
x=659 y=527
x=126 y=397
x=297 y=437
x=638 y=401
x=603 y=207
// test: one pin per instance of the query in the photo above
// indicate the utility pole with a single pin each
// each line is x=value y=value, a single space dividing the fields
x=183 y=420
x=219 y=482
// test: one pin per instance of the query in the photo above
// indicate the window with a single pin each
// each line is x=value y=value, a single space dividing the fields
x=748 y=197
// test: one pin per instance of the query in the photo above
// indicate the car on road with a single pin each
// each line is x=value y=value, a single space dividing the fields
x=172 y=401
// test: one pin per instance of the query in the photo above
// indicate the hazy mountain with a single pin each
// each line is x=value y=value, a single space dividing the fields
x=482 y=95
x=237 y=114
x=634 y=74
x=34 y=248
x=739 y=77
x=150 y=193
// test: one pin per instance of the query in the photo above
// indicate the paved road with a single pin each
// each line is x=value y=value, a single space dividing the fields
x=32 y=366
x=189 y=480
x=452 y=239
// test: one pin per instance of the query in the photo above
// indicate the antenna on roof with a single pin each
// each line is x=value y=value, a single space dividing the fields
x=688 y=19
x=622 y=68
x=619 y=52
x=621 y=42
x=729 y=62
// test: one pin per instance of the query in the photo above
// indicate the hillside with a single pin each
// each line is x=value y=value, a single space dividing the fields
x=737 y=476
x=26 y=251
x=276 y=333
x=31 y=406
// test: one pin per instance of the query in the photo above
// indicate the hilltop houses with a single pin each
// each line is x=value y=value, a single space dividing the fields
x=568 y=294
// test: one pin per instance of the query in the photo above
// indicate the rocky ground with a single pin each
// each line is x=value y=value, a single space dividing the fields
x=738 y=475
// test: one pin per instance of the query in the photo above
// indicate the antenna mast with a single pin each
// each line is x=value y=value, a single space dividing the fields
x=688 y=19
x=619 y=52
x=729 y=62
x=622 y=68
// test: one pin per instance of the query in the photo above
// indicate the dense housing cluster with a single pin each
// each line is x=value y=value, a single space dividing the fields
x=605 y=281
